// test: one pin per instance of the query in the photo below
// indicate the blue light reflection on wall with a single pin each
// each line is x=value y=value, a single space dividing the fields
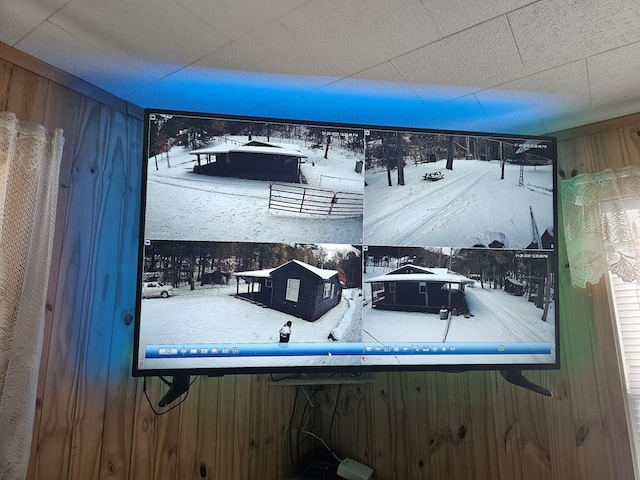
x=353 y=100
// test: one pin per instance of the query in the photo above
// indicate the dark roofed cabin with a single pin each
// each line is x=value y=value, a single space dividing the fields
x=418 y=289
x=253 y=160
x=295 y=288
x=513 y=286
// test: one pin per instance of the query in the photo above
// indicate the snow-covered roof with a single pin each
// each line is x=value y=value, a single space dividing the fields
x=421 y=277
x=266 y=273
x=267 y=148
x=320 y=272
x=418 y=267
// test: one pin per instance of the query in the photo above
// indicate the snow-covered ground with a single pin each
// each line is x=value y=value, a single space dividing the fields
x=469 y=206
x=497 y=317
x=182 y=205
x=211 y=314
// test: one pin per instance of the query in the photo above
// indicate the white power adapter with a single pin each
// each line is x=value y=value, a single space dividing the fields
x=352 y=470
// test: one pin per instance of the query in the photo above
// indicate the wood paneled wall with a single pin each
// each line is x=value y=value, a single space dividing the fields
x=94 y=422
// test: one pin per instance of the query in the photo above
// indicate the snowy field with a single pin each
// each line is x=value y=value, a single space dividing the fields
x=497 y=317
x=469 y=206
x=182 y=205
x=210 y=314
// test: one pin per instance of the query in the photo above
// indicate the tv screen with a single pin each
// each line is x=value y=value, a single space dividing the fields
x=273 y=245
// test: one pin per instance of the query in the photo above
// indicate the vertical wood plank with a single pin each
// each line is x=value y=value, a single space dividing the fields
x=27 y=95
x=144 y=442
x=126 y=161
x=6 y=69
x=167 y=445
x=62 y=111
x=259 y=399
x=207 y=428
x=224 y=457
x=242 y=422
x=187 y=461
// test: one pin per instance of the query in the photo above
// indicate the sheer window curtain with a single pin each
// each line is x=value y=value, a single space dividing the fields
x=29 y=174
x=602 y=225
x=602 y=232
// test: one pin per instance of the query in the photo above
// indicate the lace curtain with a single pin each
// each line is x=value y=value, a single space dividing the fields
x=29 y=174
x=602 y=224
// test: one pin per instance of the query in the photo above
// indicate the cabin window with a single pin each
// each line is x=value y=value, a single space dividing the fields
x=293 y=289
x=422 y=287
x=392 y=287
x=328 y=291
x=268 y=283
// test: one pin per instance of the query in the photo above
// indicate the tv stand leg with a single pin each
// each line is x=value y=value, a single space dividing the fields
x=516 y=377
x=178 y=386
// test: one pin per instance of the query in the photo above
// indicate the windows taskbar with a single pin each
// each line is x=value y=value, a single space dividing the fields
x=328 y=349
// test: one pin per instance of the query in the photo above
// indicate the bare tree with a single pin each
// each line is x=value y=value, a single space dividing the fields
x=450 y=153
x=386 y=157
x=501 y=157
x=400 y=156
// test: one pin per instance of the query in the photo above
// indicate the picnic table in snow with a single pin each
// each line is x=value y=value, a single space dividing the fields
x=433 y=176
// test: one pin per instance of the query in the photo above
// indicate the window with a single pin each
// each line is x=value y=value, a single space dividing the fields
x=268 y=283
x=293 y=289
x=327 y=290
x=625 y=299
x=422 y=287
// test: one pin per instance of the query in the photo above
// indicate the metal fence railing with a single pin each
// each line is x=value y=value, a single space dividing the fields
x=291 y=198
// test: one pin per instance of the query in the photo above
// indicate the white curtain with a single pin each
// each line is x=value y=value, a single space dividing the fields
x=602 y=225
x=29 y=175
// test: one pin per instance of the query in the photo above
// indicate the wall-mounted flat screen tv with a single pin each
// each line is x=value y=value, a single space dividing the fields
x=272 y=245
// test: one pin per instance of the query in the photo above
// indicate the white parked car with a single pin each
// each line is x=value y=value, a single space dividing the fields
x=156 y=289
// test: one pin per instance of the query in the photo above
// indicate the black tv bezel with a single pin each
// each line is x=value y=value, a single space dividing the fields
x=338 y=369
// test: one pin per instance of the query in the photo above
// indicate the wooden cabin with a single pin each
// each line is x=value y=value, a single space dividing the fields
x=253 y=160
x=418 y=289
x=513 y=286
x=296 y=288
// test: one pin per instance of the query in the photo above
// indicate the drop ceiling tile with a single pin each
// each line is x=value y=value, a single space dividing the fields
x=160 y=32
x=385 y=78
x=236 y=18
x=554 y=32
x=384 y=72
x=191 y=89
x=375 y=103
x=472 y=60
x=615 y=75
x=19 y=17
x=460 y=114
x=205 y=88
x=452 y=16
x=270 y=50
x=359 y=34
x=102 y=68
x=352 y=102
x=520 y=105
x=565 y=84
